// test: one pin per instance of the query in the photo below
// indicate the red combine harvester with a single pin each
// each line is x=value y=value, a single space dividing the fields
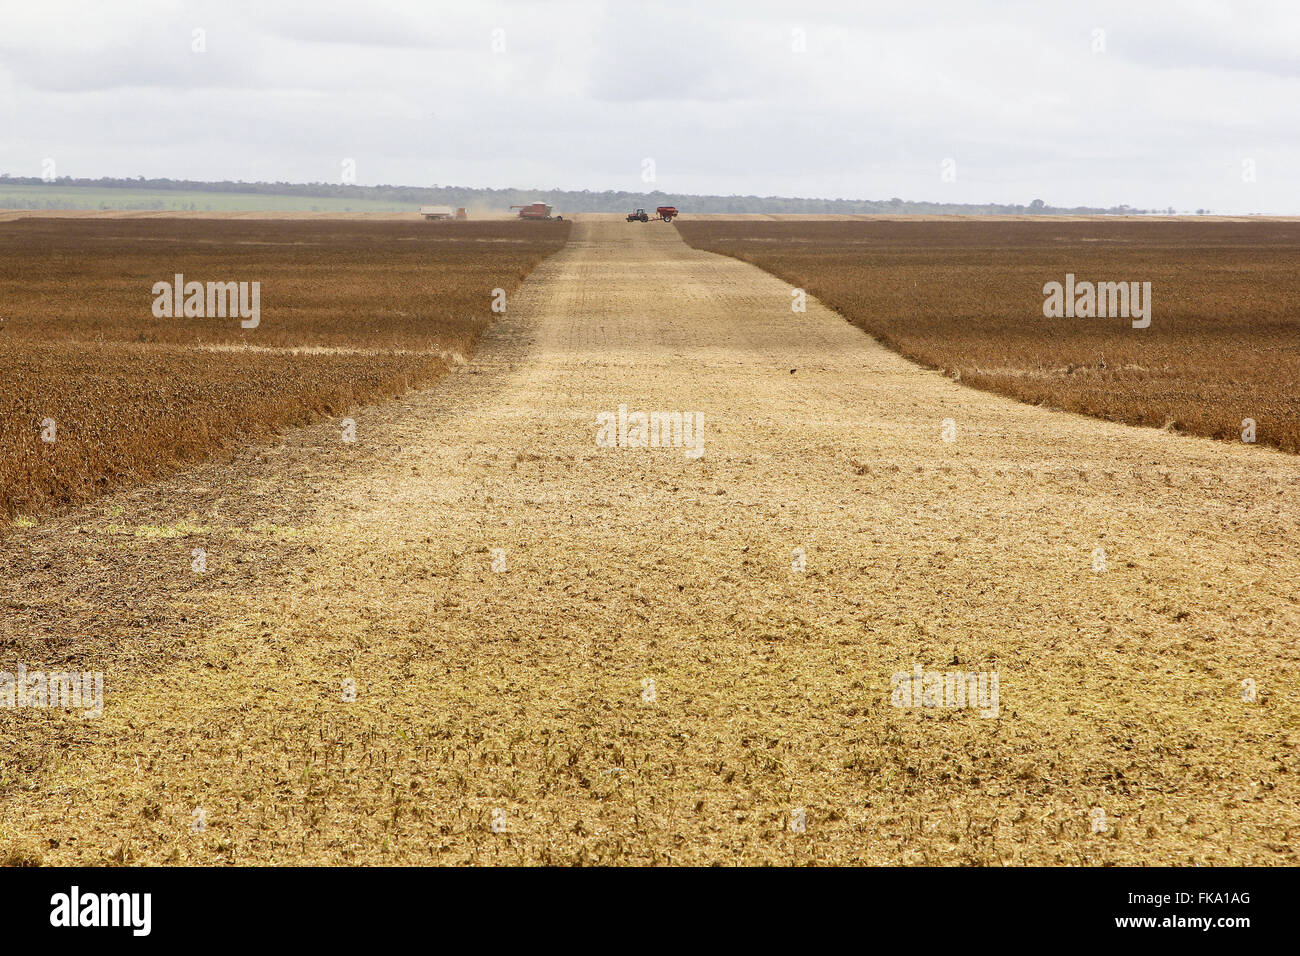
x=663 y=213
x=537 y=211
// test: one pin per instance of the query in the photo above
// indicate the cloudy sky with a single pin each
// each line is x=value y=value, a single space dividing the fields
x=1187 y=103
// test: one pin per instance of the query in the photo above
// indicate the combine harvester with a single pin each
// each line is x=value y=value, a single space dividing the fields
x=662 y=214
x=537 y=211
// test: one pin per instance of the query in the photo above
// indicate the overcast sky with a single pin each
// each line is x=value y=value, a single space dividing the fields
x=1172 y=105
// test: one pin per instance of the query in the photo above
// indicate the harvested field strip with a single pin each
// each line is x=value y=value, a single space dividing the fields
x=650 y=678
x=350 y=312
x=966 y=297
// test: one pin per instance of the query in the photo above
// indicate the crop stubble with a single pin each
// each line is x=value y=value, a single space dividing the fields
x=522 y=691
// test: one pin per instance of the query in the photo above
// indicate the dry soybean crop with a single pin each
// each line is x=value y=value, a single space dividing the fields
x=100 y=392
x=967 y=297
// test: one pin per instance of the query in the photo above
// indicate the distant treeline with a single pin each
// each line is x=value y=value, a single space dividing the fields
x=575 y=201
x=144 y=205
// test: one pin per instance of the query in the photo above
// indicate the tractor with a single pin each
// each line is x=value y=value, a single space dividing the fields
x=662 y=214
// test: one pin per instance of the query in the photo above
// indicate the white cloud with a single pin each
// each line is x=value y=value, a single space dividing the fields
x=715 y=93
